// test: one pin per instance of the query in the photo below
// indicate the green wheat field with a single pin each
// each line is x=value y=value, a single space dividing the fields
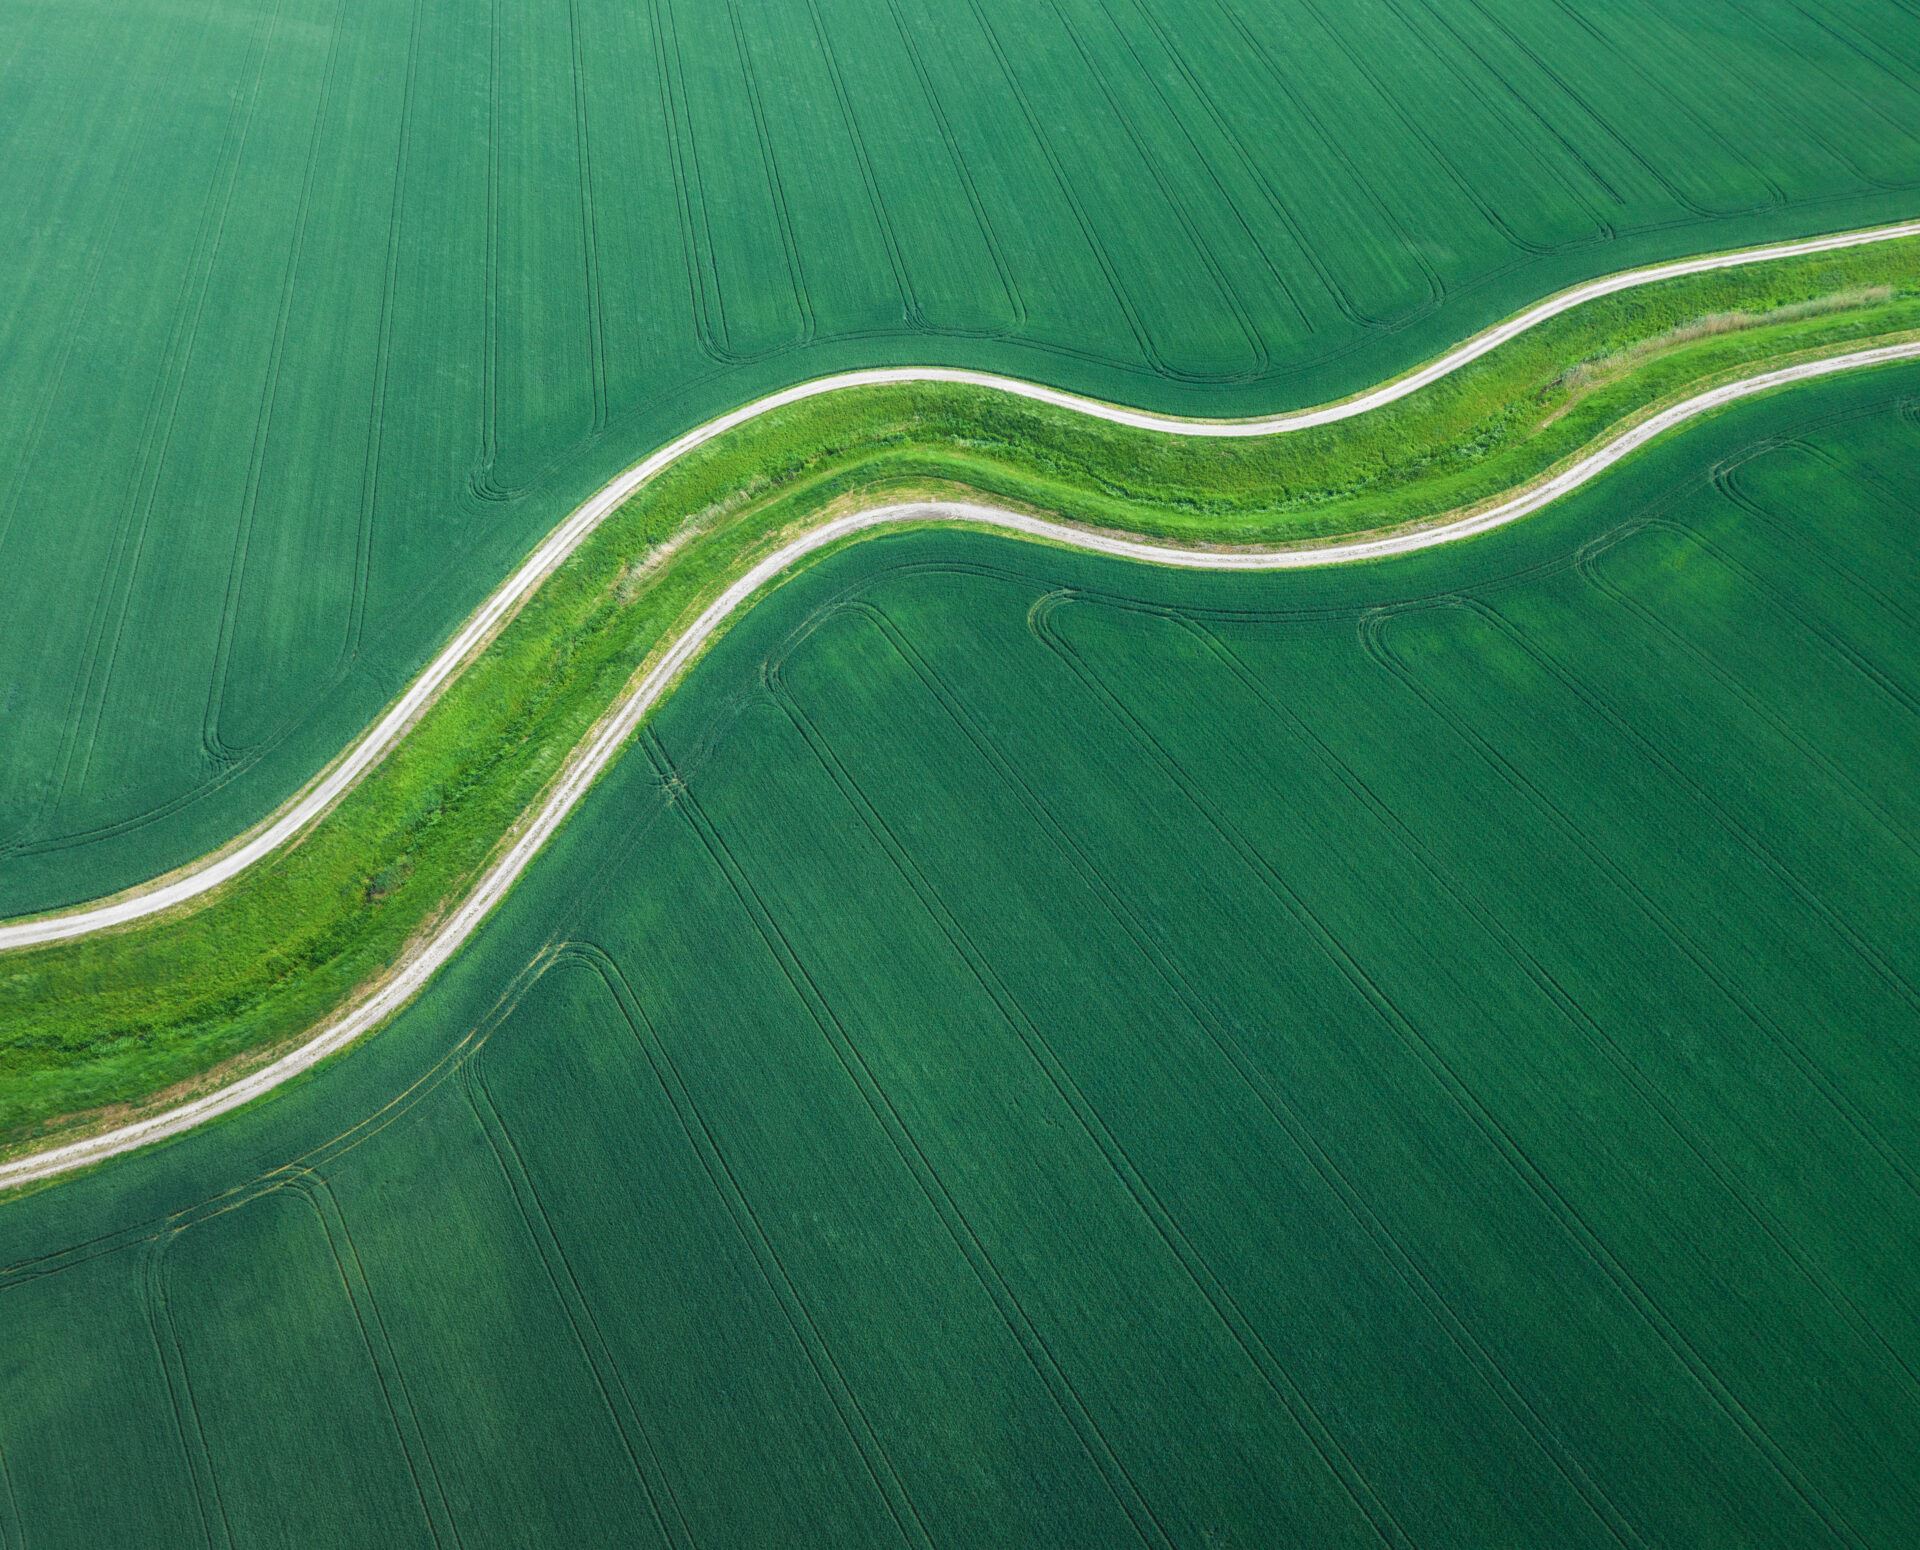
x=1024 y=1048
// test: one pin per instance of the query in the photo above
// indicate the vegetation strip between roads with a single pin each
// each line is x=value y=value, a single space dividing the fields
x=592 y=756
x=588 y=762
x=309 y=805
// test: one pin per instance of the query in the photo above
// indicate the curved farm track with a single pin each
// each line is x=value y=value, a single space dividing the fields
x=592 y=756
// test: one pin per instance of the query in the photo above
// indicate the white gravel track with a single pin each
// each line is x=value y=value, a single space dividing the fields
x=590 y=758
x=306 y=806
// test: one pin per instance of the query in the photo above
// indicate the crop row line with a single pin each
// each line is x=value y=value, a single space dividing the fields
x=121 y=178
x=1380 y=1001
x=13 y=1533
x=1227 y=1047
x=589 y=223
x=189 y=1428
x=1753 y=841
x=1174 y=199
x=1369 y=990
x=1896 y=497
x=863 y=159
x=1285 y=84
x=1733 y=489
x=112 y=602
x=967 y=1239
x=1089 y=230
x=1206 y=161
x=1374 y=631
x=1610 y=48
x=1416 y=124
x=983 y=220
x=1541 y=123
x=1901 y=126
x=377 y=410
x=774 y=1273
x=1588 y=109
x=1868 y=47
x=582 y=1324
x=1222 y=1032
x=1674 y=1117
x=1174 y=1238
x=702 y=255
x=216 y=748
x=1858 y=662
x=371 y=1325
x=1590 y=570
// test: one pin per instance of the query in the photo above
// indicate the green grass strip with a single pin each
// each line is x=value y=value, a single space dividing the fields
x=96 y=1030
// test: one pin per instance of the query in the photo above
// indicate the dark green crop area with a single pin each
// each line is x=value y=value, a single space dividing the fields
x=315 y=314
x=1033 y=1050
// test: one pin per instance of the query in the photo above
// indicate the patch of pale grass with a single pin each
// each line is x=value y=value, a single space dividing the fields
x=1604 y=368
x=633 y=575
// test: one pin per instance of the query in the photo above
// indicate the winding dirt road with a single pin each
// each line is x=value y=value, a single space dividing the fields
x=597 y=751
x=311 y=803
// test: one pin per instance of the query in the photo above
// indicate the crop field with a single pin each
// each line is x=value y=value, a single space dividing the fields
x=313 y=316
x=1029 y=1049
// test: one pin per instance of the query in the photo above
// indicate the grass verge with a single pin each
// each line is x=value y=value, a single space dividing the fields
x=95 y=1031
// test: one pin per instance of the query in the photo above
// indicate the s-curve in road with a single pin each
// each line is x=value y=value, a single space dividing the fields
x=603 y=744
x=200 y=877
